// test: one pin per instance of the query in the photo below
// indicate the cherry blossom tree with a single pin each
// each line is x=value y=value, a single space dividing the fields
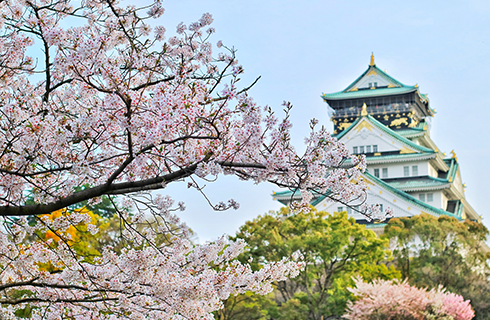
x=96 y=103
x=389 y=300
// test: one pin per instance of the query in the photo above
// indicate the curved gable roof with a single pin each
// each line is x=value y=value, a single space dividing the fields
x=387 y=131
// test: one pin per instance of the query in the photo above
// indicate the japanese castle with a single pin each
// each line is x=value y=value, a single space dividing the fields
x=387 y=121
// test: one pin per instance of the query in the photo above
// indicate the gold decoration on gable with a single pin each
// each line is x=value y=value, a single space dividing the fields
x=345 y=125
x=372 y=73
x=353 y=89
x=413 y=123
x=365 y=124
x=405 y=150
x=367 y=181
x=453 y=155
x=399 y=122
x=386 y=117
x=391 y=86
x=364 y=110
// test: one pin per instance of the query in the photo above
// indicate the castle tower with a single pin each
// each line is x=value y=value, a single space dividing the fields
x=386 y=121
x=389 y=101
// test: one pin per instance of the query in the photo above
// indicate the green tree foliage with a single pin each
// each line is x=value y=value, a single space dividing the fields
x=334 y=248
x=432 y=251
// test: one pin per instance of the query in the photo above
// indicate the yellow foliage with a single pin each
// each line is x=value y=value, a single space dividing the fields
x=71 y=232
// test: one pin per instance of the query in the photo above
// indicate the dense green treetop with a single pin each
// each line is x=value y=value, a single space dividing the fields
x=442 y=251
x=334 y=248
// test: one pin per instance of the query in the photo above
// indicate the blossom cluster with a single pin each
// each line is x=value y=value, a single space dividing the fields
x=111 y=107
x=182 y=279
x=384 y=299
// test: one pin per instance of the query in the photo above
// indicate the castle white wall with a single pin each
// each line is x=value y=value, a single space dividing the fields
x=432 y=171
x=458 y=182
x=380 y=81
x=368 y=138
x=439 y=201
x=396 y=170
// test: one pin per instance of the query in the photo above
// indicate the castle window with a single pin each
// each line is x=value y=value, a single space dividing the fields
x=430 y=197
x=376 y=173
x=370 y=84
x=368 y=149
x=340 y=209
x=406 y=171
x=354 y=150
x=385 y=172
x=375 y=84
x=415 y=171
x=422 y=197
x=361 y=149
x=375 y=148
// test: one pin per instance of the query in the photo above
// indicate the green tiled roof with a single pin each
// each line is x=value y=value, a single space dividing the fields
x=399 y=88
x=399 y=157
x=297 y=194
x=375 y=225
x=426 y=207
x=453 y=165
x=402 y=157
x=380 y=72
x=409 y=198
x=408 y=133
x=367 y=93
x=413 y=184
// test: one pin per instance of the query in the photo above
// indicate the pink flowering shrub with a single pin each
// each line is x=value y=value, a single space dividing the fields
x=394 y=300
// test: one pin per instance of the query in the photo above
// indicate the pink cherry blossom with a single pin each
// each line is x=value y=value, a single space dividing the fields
x=105 y=107
x=397 y=300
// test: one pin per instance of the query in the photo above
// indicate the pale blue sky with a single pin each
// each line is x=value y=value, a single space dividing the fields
x=304 y=48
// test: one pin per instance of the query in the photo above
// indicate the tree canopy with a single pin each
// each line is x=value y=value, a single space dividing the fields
x=442 y=251
x=333 y=247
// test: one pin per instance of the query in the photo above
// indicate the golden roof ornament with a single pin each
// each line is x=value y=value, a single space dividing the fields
x=364 y=110
x=372 y=59
x=453 y=155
